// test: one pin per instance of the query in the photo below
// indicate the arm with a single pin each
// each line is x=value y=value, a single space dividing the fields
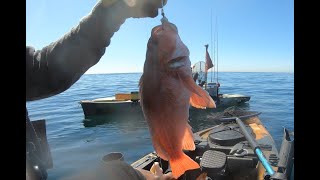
x=58 y=66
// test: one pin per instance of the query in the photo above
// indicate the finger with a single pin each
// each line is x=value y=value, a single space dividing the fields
x=159 y=172
x=147 y=174
x=168 y=176
x=158 y=169
x=155 y=168
x=152 y=169
x=165 y=2
x=159 y=3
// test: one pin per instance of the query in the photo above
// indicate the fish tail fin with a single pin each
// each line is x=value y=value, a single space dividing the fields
x=188 y=141
x=181 y=165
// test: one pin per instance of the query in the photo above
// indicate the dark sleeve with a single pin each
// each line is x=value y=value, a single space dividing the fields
x=56 y=67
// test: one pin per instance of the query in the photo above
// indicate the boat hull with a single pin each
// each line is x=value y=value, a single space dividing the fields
x=100 y=108
x=231 y=99
x=106 y=106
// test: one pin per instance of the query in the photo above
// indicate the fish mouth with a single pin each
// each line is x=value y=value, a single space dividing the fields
x=177 y=62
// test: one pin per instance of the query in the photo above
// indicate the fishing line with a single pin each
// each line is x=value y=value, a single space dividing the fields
x=162 y=11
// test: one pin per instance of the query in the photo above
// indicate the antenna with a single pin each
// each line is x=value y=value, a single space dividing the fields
x=217 y=50
x=211 y=45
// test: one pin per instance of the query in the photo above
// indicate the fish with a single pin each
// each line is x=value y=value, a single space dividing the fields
x=167 y=90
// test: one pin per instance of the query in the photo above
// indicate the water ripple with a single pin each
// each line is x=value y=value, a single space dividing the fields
x=75 y=147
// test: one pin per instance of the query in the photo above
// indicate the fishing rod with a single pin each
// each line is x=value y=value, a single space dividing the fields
x=212 y=46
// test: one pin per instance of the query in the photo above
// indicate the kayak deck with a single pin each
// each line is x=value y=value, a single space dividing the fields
x=226 y=142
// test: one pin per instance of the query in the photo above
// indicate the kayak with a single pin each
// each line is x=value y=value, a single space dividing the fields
x=129 y=103
x=239 y=147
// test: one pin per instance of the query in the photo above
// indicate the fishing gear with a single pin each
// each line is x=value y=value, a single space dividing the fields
x=164 y=18
x=162 y=10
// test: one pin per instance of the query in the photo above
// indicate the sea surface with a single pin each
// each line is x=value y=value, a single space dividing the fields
x=76 y=147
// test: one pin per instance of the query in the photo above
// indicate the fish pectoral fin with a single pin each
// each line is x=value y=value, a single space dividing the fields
x=200 y=98
x=194 y=101
x=188 y=141
x=200 y=102
x=181 y=165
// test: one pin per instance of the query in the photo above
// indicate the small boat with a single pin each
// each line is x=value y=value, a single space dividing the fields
x=240 y=147
x=200 y=76
x=121 y=103
x=129 y=103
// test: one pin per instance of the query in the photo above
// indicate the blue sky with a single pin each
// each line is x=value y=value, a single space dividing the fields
x=253 y=35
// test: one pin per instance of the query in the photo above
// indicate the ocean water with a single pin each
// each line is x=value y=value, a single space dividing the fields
x=76 y=147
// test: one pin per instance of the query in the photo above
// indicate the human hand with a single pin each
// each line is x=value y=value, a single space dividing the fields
x=144 y=8
x=156 y=173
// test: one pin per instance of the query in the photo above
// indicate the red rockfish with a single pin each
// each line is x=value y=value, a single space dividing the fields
x=167 y=90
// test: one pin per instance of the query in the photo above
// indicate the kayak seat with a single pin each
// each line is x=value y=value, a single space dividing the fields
x=226 y=135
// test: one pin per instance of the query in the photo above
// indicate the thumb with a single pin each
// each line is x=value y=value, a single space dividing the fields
x=158 y=170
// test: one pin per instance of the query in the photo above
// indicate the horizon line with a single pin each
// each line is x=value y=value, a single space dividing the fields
x=219 y=72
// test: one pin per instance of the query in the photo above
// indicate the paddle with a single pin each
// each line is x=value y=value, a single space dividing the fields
x=235 y=116
x=255 y=147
